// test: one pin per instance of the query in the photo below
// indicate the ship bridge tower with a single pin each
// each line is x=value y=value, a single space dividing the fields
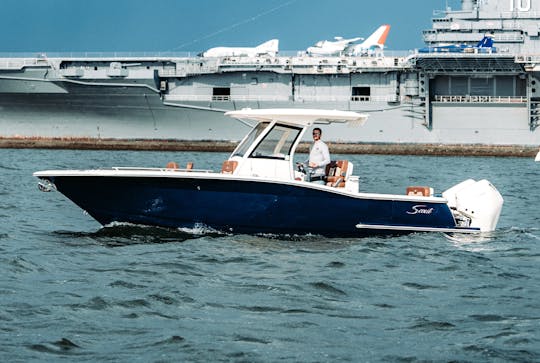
x=514 y=24
x=504 y=80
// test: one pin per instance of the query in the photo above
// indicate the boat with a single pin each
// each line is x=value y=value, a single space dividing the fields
x=471 y=97
x=537 y=158
x=261 y=190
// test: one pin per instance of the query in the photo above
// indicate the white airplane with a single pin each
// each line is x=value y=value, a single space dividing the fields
x=328 y=47
x=373 y=44
x=346 y=46
x=268 y=48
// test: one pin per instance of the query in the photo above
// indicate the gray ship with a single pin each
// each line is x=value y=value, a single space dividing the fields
x=454 y=91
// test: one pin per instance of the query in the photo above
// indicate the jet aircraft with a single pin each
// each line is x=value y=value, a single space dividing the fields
x=373 y=44
x=347 y=47
x=268 y=48
x=328 y=47
x=483 y=46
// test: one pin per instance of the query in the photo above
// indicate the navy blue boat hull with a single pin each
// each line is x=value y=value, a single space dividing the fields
x=241 y=206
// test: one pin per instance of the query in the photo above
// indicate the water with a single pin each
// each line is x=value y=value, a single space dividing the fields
x=71 y=291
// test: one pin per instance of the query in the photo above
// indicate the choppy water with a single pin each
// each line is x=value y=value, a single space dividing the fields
x=71 y=291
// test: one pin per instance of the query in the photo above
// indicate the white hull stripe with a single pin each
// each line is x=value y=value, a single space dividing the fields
x=416 y=229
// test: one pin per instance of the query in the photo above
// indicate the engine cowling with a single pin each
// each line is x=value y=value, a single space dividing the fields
x=479 y=201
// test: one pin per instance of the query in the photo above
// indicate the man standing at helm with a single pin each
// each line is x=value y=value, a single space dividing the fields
x=319 y=157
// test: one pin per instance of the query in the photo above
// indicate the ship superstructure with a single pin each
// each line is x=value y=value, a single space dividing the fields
x=470 y=96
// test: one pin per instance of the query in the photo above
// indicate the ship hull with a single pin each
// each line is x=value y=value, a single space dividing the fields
x=144 y=116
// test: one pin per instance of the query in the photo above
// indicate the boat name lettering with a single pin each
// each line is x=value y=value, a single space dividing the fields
x=420 y=209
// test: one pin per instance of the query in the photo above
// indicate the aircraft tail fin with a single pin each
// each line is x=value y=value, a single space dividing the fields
x=270 y=47
x=486 y=42
x=378 y=38
x=373 y=42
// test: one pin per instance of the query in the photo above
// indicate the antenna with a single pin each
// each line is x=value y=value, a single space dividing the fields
x=235 y=25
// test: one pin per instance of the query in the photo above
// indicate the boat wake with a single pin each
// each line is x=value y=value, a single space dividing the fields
x=118 y=234
x=201 y=229
x=462 y=238
x=496 y=240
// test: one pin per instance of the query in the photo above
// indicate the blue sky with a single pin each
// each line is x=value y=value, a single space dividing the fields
x=187 y=25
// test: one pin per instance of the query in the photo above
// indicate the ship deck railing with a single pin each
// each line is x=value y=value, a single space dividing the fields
x=188 y=63
x=156 y=54
x=278 y=98
x=480 y=99
x=527 y=58
x=19 y=63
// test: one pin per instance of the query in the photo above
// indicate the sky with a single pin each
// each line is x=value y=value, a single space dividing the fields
x=197 y=25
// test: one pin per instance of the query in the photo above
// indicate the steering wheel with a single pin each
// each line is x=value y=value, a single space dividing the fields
x=301 y=167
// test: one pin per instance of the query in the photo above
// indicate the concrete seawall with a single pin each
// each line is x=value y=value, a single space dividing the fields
x=226 y=146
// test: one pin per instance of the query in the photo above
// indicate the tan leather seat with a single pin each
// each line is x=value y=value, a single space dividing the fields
x=419 y=191
x=171 y=165
x=336 y=173
x=229 y=166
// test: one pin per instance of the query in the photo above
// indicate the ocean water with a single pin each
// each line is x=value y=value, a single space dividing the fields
x=73 y=291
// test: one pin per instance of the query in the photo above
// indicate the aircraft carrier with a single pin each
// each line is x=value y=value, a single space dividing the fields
x=451 y=92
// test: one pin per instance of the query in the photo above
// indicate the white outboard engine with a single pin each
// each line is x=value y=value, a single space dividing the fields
x=475 y=204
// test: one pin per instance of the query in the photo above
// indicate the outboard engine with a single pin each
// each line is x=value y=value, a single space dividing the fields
x=475 y=204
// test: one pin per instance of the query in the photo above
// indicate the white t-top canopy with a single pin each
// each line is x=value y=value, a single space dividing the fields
x=299 y=116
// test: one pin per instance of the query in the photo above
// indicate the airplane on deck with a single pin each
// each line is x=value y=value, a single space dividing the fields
x=328 y=47
x=373 y=44
x=269 y=48
x=483 y=46
x=346 y=46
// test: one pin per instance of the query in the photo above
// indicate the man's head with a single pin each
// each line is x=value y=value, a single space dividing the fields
x=317 y=133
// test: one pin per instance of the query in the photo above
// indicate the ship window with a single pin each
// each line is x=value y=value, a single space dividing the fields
x=221 y=94
x=277 y=144
x=361 y=94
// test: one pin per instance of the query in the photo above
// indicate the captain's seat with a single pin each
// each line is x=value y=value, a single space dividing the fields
x=338 y=172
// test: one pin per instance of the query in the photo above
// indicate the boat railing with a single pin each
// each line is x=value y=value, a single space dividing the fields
x=480 y=99
x=165 y=169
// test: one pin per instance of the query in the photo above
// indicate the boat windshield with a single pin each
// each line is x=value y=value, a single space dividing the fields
x=250 y=138
x=278 y=143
